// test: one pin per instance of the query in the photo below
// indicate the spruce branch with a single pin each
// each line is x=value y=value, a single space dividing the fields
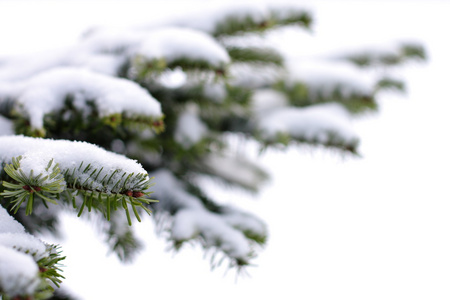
x=255 y=55
x=100 y=184
x=301 y=95
x=277 y=17
x=401 y=54
x=28 y=186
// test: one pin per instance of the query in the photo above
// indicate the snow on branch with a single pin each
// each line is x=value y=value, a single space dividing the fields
x=236 y=19
x=235 y=170
x=225 y=230
x=385 y=54
x=154 y=50
x=77 y=171
x=323 y=77
x=28 y=266
x=53 y=90
x=324 y=124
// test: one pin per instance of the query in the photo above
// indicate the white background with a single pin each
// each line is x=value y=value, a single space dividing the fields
x=376 y=227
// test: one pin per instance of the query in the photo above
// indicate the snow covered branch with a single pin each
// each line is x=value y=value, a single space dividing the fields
x=169 y=95
x=76 y=172
x=28 y=266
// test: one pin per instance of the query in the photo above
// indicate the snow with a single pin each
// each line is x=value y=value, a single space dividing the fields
x=176 y=43
x=70 y=155
x=319 y=122
x=266 y=100
x=209 y=20
x=188 y=223
x=9 y=225
x=328 y=75
x=193 y=219
x=47 y=92
x=18 y=272
x=107 y=50
x=328 y=249
x=215 y=91
x=190 y=129
x=235 y=168
x=25 y=243
x=18 y=253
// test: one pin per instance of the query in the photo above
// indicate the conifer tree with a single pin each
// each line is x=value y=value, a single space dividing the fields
x=86 y=130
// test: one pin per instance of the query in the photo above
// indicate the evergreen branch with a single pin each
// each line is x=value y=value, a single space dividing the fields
x=189 y=215
x=100 y=187
x=233 y=25
x=387 y=83
x=29 y=186
x=403 y=53
x=50 y=271
x=255 y=55
x=329 y=139
x=121 y=238
x=300 y=94
x=145 y=69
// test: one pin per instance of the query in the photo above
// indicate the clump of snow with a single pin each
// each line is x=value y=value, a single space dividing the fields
x=188 y=223
x=47 y=92
x=169 y=188
x=25 y=243
x=311 y=123
x=235 y=169
x=18 y=272
x=70 y=155
x=106 y=51
x=176 y=43
x=328 y=75
x=19 y=252
x=189 y=129
x=215 y=91
x=244 y=221
x=242 y=74
x=264 y=100
x=209 y=20
x=192 y=218
x=8 y=224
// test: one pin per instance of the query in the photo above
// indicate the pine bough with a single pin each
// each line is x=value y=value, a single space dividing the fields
x=168 y=95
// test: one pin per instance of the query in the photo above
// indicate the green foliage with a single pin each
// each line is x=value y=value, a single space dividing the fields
x=255 y=55
x=404 y=53
x=115 y=190
x=50 y=271
x=299 y=94
x=27 y=187
x=233 y=25
x=221 y=102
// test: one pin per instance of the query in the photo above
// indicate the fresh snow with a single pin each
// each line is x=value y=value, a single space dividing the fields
x=190 y=129
x=18 y=272
x=106 y=51
x=208 y=19
x=9 y=225
x=311 y=123
x=19 y=252
x=235 y=168
x=192 y=218
x=36 y=154
x=176 y=43
x=266 y=100
x=47 y=92
x=328 y=75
